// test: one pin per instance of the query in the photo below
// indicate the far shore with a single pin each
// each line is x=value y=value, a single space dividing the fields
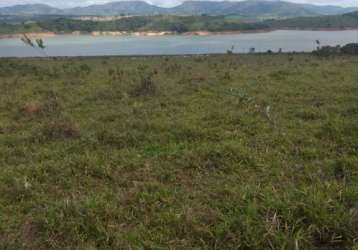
x=158 y=33
x=30 y=34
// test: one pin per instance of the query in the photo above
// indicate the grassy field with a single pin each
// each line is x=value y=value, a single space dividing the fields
x=206 y=152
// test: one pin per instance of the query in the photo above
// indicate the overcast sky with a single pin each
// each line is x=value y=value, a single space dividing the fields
x=165 y=3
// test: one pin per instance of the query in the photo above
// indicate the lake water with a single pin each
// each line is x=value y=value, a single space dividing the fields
x=70 y=45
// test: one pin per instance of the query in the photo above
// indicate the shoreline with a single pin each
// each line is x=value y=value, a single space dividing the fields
x=159 y=33
x=29 y=34
x=134 y=56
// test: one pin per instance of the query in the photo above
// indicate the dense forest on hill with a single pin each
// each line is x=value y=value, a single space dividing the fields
x=182 y=24
x=319 y=22
x=177 y=24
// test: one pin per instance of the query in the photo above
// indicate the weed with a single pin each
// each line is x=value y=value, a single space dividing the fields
x=57 y=130
x=147 y=87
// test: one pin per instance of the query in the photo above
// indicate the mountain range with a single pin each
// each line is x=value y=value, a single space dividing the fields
x=249 y=8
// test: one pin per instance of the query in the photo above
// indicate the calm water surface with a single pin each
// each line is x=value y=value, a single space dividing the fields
x=68 y=45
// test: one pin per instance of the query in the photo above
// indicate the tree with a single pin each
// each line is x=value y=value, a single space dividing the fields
x=318 y=43
x=27 y=40
x=39 y=46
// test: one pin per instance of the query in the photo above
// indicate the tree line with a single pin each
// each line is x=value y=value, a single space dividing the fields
x=181 y=24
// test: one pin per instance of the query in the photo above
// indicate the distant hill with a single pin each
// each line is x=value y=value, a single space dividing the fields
x=353 y=14
x=252 y=8
x=245 y=8
x=29 y=9
x=345 y=21
x=329 y=10
x=181 y=24
x=117 y=8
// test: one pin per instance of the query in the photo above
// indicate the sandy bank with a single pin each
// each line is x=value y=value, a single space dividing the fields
x=124 y=33
x=31 y=35
x=161 y=33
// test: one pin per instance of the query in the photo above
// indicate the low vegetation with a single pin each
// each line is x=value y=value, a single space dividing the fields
x=348 y=49
x=201 y=152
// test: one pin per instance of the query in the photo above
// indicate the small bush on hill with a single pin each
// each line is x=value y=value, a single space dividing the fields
x=351 y=48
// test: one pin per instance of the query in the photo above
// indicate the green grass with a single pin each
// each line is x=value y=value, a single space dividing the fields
x=205 y=152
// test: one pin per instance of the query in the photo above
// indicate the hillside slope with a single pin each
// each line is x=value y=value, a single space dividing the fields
x=255 y=8
x=245 y=8
x=182 y=24
x=345 y=21
x=29 y=9
x=117 y=8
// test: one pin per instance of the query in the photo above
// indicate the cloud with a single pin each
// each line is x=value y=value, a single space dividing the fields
x=165 y=3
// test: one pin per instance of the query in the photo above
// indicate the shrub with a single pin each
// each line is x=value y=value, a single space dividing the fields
x=48 y=107
x=351 y=48
x=146 y=87
x=85 y=68
x=327 y=51
x=58 y=130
